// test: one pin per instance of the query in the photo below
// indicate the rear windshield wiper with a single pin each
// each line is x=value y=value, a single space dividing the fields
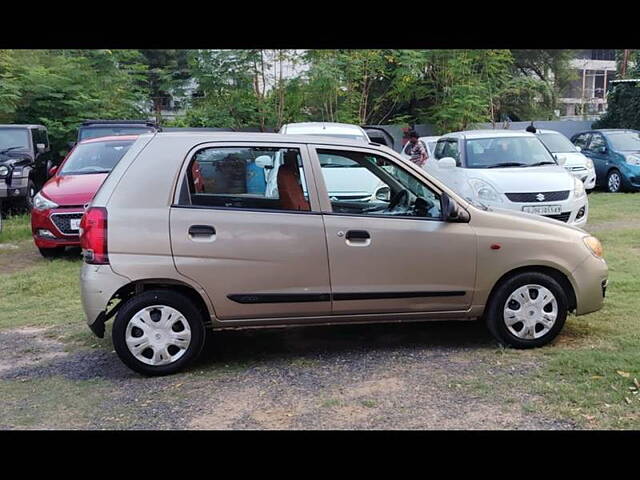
x=508 y=164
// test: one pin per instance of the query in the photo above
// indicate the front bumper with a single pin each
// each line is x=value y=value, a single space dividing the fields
x=574 y=211
x=586 y=176
x=590 y=280
x=631 y=176
x=57 y=223
x=16 y=188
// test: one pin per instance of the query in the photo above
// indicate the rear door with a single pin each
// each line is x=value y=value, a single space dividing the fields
x=254 y=255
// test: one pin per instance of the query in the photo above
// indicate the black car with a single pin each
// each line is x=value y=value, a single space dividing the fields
x=25 y=159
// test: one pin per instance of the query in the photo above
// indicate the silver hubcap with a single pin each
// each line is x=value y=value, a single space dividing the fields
x=530 y=312
x=158 y=335
x=614 y=182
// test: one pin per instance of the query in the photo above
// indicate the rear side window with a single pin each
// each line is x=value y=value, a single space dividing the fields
x=264 y=178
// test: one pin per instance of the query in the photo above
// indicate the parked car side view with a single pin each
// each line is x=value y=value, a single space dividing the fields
x=569 y=156
x=25 y=157
x=167 y=261
x=509 y=170
x=616 y=156
x=58 y=207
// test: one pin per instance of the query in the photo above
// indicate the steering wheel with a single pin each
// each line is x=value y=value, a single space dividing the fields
x=399 y=198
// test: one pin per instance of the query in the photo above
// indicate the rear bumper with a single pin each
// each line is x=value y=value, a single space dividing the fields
x=98 y=284
x=590 y=283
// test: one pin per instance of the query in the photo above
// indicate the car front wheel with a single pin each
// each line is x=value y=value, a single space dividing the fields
x=158 y=332
x=614 y=181
x=528 y=310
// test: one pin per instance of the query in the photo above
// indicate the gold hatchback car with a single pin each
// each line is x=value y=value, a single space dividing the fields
x=229 y=230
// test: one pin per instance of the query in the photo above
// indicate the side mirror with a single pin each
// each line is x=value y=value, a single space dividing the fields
x=602 y=150
x=53 y=170
x=578 y=148
x=264 y=161
x=451 y=212
x=447 y=163
x=41 y=147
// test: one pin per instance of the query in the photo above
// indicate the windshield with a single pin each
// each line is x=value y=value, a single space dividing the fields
x=14 y=137
x=98 y=157
x=95 y=132
x=507 y=152
x=624 y=141
x=557 y=143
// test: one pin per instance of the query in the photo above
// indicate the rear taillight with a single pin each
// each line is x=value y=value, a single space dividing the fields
x=93 y=236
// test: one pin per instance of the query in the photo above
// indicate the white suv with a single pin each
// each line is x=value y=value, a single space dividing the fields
x=511 y=170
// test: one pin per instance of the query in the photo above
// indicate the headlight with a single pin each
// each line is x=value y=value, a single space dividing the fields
x=594 y=245
x=484 y=191
x=632 y=159
x=578 y=188
x=589 y=163
x=4 y=170
x=42 y=203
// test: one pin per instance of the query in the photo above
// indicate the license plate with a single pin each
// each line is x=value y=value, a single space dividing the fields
x=543 y=209
x=74 y=224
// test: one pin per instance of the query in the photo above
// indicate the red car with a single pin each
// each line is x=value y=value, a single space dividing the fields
x=58 y=207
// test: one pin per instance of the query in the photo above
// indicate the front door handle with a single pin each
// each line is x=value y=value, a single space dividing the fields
x=357 y=235
x=201 y=231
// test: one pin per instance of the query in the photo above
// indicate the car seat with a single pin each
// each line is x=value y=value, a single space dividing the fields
x=289 y=188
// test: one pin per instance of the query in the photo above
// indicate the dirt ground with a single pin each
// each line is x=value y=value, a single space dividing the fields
x=411 y=376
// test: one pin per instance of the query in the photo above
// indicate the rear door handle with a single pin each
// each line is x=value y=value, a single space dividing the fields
x=357 y=235
x=202 y=230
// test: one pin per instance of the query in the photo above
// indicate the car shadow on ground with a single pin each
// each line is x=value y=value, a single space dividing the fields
x=259 y=345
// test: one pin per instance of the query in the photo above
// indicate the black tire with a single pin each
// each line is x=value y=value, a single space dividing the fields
x=495 y=309
x=26 y=204
x=54 y=252
x=164 y=298
x=611 y=179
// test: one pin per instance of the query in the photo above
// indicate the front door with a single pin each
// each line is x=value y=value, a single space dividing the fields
x=598 y=152
x=393 y=255
x=256 y=254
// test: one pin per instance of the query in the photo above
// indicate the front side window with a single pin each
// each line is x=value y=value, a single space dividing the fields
x=448 y=148
x=95 y=157
x=598 y=143
x=247 y=177
x=506 y=152
x=367 y=184
x=581 y=140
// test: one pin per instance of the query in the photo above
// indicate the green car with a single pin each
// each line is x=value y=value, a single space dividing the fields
x=616 y=157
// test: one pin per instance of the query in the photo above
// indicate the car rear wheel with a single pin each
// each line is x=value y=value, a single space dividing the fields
x=54 y=252
x=614 y=181
x=158 y=332
x=528 y=310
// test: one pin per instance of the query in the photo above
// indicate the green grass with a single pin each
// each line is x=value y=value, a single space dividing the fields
x=15 y=229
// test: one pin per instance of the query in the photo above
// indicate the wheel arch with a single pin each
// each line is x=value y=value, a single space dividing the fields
x=554 y=273
x=139 y=286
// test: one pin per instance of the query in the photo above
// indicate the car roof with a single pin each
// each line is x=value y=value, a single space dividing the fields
x=469 y=134
x=109 y=138
x=329 y=127
x=431 y=138
x=540 y=130
x=202 y=137
x=30 y=125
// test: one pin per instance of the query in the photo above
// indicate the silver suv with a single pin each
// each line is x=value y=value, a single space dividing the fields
x=184 y=235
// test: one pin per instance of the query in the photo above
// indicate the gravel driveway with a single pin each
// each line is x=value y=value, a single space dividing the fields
x=411 y=376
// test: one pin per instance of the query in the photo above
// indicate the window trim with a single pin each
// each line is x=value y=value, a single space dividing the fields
x=325 y=203
x=306 y=166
